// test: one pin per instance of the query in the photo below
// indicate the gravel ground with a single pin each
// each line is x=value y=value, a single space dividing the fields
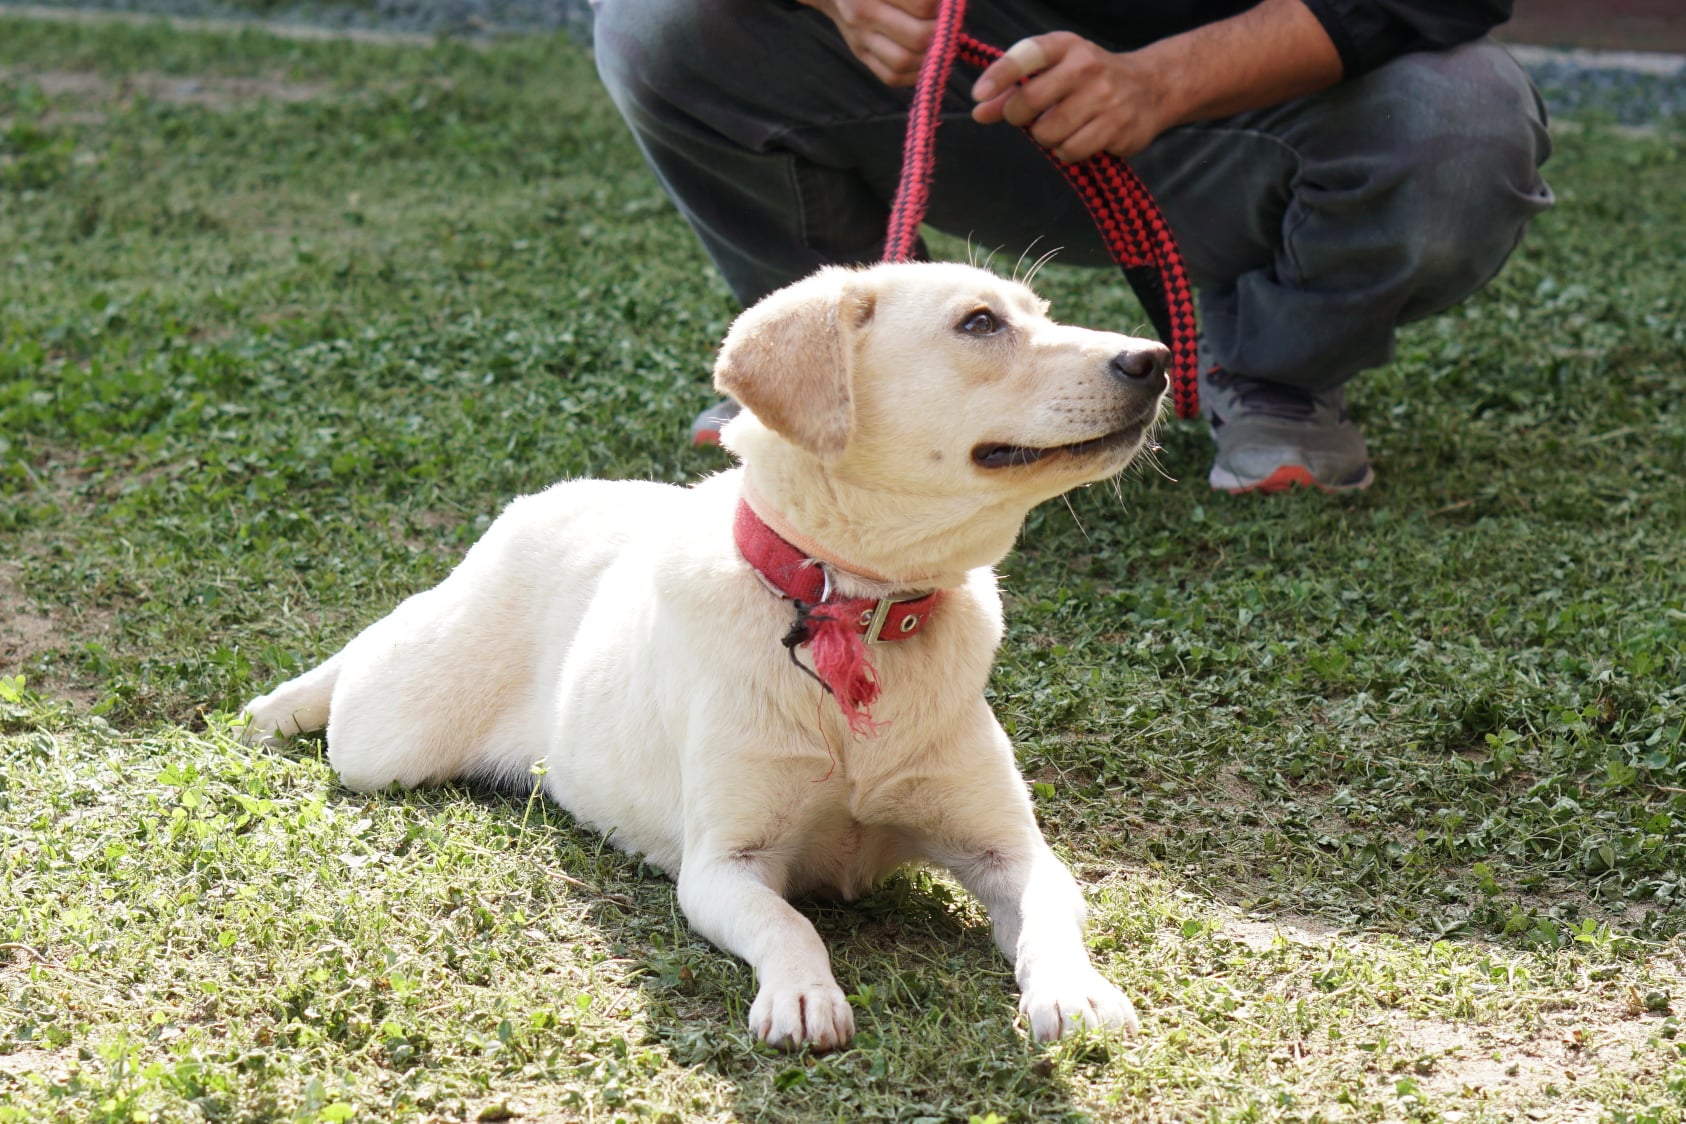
x=1627 y=88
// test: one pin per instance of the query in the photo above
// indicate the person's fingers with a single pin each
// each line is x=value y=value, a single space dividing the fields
x=1050 y=128
x=906 y=30
x=893 y=63
x=1046 y=91
x=1028 y=55
x=1089 y=139
x=889 y=37
x=1021 y=60
x=919 y=9
x=991 y=111
x=1080 y=100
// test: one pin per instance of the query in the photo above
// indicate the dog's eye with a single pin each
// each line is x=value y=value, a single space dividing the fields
x=980 y=323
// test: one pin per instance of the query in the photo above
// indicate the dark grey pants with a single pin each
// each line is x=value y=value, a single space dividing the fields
x=1313 y=229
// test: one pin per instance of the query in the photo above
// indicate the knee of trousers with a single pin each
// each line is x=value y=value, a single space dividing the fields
x=635 y=44
x=1454 y=176
x=655 y=56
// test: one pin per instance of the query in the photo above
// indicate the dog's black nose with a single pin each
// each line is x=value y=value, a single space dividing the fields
x=1147 y=363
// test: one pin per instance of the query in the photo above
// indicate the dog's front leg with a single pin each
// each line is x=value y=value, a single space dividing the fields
x=731 y=898
x=990 y=842
x=1037 y=913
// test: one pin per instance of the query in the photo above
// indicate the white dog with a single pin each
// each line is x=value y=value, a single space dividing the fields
x=900 y=421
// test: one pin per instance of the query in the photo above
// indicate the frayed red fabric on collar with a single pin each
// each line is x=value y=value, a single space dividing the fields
x=835 y=629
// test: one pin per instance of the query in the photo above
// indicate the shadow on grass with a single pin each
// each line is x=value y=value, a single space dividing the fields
x=935 y=1002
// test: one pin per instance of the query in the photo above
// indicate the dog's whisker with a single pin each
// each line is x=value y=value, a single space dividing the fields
x=1036 y=266
x=1150 y=460
x=973 y=249
x=1017 y=264
x=1075 y=518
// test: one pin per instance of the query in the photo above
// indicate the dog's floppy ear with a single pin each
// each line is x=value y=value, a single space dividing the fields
x=790 y=357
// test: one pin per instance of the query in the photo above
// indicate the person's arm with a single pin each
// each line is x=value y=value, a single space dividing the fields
x=1369 y=33
x=1080 y=99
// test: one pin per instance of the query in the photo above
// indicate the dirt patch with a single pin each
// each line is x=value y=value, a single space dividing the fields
x=1567 y=1057
x=30 y=633
x=31 y=637
x=227 y=26
x=53 y=1065
x=24 y=631
x=1236 y=791
x=428 y=532
x=204 y=91
x=1569 y=1053
x=1261 y=935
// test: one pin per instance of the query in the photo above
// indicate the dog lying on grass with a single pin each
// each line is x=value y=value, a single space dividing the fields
x=658 y=647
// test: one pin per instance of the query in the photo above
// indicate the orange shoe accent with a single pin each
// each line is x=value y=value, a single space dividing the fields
x=1281 y=480
x=1294 y=475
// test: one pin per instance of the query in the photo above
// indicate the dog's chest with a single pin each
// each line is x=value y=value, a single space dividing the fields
x=850 y=820
x=843 y=857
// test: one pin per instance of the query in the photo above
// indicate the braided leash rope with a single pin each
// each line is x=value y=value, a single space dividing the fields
x=919 y=145
x=1136 y=235
x=1124 y=212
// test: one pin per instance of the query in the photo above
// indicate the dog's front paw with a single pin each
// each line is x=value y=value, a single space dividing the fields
x=790 y=1017
x=1073 y=1000
x=256 y=726
x=270 y=721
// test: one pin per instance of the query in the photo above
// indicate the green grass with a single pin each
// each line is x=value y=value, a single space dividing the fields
x=1381 y=802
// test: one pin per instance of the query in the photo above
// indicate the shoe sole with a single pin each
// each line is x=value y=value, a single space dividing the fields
x=1284 y=478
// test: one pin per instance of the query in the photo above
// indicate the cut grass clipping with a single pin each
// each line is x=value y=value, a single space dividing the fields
x=1380 y=803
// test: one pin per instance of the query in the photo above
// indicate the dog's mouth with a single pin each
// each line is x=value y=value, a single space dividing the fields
x=991 y=455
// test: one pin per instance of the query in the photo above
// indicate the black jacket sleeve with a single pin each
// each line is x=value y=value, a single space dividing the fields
x=1368 y=33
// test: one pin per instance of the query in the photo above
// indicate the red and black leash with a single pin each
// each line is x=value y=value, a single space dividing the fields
x=1124 y=212
x=1139 y=240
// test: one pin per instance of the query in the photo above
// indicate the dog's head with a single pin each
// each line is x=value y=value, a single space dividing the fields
x=936 y=382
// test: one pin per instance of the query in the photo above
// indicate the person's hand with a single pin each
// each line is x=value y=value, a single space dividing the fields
x=1076 y=99
x=889 y=36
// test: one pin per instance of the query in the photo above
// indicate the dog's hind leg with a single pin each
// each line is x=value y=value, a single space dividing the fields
x=442 y=689
x=298 y=706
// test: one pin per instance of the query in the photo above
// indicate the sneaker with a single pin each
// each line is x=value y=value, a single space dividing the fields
x=1271 y=437
x=706 y=429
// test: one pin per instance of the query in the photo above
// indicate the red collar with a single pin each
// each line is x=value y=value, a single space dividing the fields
x=798 y=577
